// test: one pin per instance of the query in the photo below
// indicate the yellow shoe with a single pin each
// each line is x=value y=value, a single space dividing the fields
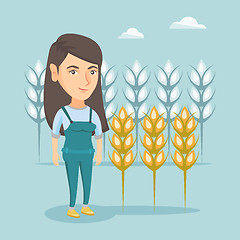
x=87 y=211
x=73 y=213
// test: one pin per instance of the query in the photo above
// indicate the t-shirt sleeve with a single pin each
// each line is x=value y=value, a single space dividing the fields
x=57 y=122
x=96 y=120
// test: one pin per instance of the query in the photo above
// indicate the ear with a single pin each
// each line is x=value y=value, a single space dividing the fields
x=54 y=74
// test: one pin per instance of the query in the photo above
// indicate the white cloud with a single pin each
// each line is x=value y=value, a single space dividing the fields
x=187 y=23
x=131 y=33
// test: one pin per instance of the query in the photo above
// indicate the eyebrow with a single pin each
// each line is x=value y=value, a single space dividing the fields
x=73 y=66
x=92 y=67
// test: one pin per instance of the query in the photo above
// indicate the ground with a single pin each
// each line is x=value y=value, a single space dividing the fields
x=43 y=209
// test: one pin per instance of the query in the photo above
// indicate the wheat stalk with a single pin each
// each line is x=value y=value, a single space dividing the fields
x=168 y=93
x=108 y=78
x=184 y=142
x=35 y=109
x=201 y=95
x=122 y=141
x=153 y=141
x=136 y=93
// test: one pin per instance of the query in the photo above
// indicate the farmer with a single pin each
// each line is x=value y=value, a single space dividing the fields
x=74 y=108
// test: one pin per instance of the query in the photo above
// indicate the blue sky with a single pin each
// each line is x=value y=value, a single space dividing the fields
x=28 y=30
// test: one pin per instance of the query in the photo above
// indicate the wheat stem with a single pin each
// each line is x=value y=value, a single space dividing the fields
x=154 y=186
x=201 y=141
x=123 y=189
x=185 y=188
x=39 y=140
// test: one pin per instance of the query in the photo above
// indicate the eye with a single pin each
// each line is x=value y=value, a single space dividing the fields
x=73 y=72
x=92 y=72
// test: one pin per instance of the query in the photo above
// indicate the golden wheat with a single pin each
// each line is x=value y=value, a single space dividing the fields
x=153 y=142
x=184 y=142
x=122 y=142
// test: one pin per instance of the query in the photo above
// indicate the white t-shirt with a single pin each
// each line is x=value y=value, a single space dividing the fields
x=76 y=114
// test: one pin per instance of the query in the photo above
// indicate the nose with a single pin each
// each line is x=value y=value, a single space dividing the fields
x=83 y=79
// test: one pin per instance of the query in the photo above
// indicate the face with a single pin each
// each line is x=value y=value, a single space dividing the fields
x=77 y=77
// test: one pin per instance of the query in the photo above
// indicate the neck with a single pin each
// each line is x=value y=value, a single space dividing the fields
x=77 y=103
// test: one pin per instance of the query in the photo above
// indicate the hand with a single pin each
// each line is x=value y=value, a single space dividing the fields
x=55 y=159
x=98 y=158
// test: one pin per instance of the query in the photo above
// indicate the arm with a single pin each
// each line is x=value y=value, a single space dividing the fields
x=55 y=155
x=55 y=136
x=98 y=155
x=98 y=136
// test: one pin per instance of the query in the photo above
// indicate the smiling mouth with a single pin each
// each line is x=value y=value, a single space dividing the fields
x=83 y=89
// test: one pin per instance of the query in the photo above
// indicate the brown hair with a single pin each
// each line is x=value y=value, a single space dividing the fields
x=54 y=95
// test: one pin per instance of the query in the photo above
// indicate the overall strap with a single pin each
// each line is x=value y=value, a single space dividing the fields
x=65 y=111
x=90 y=115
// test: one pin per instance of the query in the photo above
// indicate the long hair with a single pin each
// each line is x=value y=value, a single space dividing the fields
x=54 y=95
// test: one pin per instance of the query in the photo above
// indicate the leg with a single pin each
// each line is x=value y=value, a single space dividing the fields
x=86 y=173
x=72 y=174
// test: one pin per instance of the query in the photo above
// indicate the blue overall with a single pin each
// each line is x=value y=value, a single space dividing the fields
x=78 y=152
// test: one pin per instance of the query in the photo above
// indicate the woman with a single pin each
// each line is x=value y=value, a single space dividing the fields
x=74 y=108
